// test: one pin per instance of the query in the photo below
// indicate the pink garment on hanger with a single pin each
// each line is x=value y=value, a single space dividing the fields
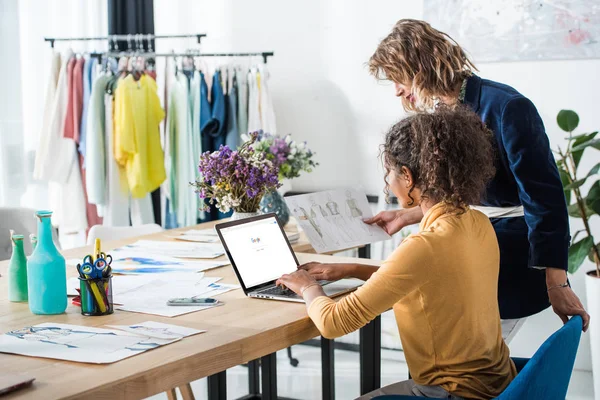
x=75 y=104
x=72 y=124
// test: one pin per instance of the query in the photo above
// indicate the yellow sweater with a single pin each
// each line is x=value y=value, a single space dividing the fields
x=442 y=284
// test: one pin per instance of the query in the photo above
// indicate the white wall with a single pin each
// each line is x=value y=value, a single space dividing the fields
x=11 y=119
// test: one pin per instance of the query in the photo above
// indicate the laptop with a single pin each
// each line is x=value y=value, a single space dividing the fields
x=260 y=252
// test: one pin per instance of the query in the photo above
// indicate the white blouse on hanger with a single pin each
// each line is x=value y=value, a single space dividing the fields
x=57 y=162
x=267 y=112
x=254 y=123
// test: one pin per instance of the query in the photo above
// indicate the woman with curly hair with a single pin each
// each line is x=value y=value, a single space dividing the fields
x=441 y=282
x=525 y=200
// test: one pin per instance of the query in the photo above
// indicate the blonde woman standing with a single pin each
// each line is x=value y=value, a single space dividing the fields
x=524 y=201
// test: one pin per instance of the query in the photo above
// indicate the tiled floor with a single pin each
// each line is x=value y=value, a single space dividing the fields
x=304 y=381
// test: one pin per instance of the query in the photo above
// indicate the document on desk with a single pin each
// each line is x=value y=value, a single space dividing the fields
x=152 y=297
x=333 y=220
x=91 y=345
x=136 y=262
x=176 y=249
x=198 y=235
x=158 y=330
x=77 y=343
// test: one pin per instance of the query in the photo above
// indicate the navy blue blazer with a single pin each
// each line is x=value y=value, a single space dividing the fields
x=526 y=175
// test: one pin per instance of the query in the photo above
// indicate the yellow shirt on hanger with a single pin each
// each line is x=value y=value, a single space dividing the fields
x=137 y=137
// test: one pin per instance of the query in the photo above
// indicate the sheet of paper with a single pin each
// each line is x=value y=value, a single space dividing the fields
x=202 y=232
x=197 y=238
x=77 y=343
x=333 y=220
x=176 y=249
x=123 y=284
x=136 y=262
x=152 y=298
x=158 y=330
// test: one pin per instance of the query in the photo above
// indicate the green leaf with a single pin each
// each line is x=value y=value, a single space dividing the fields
x=578 y=252
x=591 y=253
x=567 y=120
x=593 y=198
x=582 y=135
x=573 y=211
x=594 y=170
x=593 y=143
x=580 y=140
x=564 y=178
x=575 y=184
x=580 y=182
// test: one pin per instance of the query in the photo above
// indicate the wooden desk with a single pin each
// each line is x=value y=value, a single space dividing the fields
x=243 y=330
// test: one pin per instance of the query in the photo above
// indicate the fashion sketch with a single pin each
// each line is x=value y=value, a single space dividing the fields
x=333 y=219
x=338 y=220
x=355 y=214
x=319 y=214
x=307 y=221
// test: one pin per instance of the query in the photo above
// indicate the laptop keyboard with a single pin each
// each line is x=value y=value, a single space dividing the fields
x=279 y=291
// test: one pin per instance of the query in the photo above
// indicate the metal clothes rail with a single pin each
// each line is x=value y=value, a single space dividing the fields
x=129 y=37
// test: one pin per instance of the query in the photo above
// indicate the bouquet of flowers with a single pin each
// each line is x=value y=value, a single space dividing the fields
x=290 y=157
x=236 y=179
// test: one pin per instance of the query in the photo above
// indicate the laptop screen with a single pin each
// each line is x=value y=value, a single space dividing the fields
x=259 y=250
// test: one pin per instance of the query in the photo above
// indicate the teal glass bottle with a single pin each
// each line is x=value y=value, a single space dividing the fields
x=46 y=272
x=17 y=271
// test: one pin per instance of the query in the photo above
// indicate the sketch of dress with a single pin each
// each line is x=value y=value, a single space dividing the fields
x=355 y=213
x=338 y=220
x=306 y=217
x=319 y=214
x=75 y=339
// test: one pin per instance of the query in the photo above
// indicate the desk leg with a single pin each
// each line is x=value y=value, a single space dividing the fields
x=253 y=378
x=370 y=356
x=217 y=386
x=327 y=369
x=364 y=252
x=268 y=366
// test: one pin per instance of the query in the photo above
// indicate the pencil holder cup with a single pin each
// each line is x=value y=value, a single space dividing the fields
x=96 y=296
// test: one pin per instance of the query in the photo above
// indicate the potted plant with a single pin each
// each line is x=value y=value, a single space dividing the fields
x=236 y=179
x=291 y=158
x=584 y=206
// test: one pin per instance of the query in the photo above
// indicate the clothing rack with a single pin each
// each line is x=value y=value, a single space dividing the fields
x=130 y=37
x=265 y=54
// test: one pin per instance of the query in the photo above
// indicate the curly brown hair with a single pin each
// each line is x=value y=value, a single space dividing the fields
x=415 y=53
x=449 y=153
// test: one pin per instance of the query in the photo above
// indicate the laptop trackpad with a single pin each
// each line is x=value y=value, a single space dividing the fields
x=341 y=286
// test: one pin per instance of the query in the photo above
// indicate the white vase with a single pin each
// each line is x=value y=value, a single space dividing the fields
x=243 y=215
x=286 y=186
x=592 y=285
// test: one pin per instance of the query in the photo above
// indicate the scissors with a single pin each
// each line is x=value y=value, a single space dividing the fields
x=107 y=257
x=86 y=269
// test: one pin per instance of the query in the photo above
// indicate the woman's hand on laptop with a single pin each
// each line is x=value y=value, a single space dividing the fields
x=326 y=272
x=301 y=283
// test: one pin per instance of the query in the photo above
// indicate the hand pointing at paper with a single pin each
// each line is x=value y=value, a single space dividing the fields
x=393 y=221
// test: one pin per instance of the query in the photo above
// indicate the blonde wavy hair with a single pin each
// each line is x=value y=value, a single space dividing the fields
x=416 y=54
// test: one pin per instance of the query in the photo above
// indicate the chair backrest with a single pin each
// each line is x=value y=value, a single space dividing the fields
x=120 y=232
x=546 y=375
x=23 y=222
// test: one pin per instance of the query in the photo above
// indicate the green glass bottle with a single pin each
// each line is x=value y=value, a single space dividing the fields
x=17 y=271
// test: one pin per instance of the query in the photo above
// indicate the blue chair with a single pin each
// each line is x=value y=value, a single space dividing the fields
x=544 y=376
